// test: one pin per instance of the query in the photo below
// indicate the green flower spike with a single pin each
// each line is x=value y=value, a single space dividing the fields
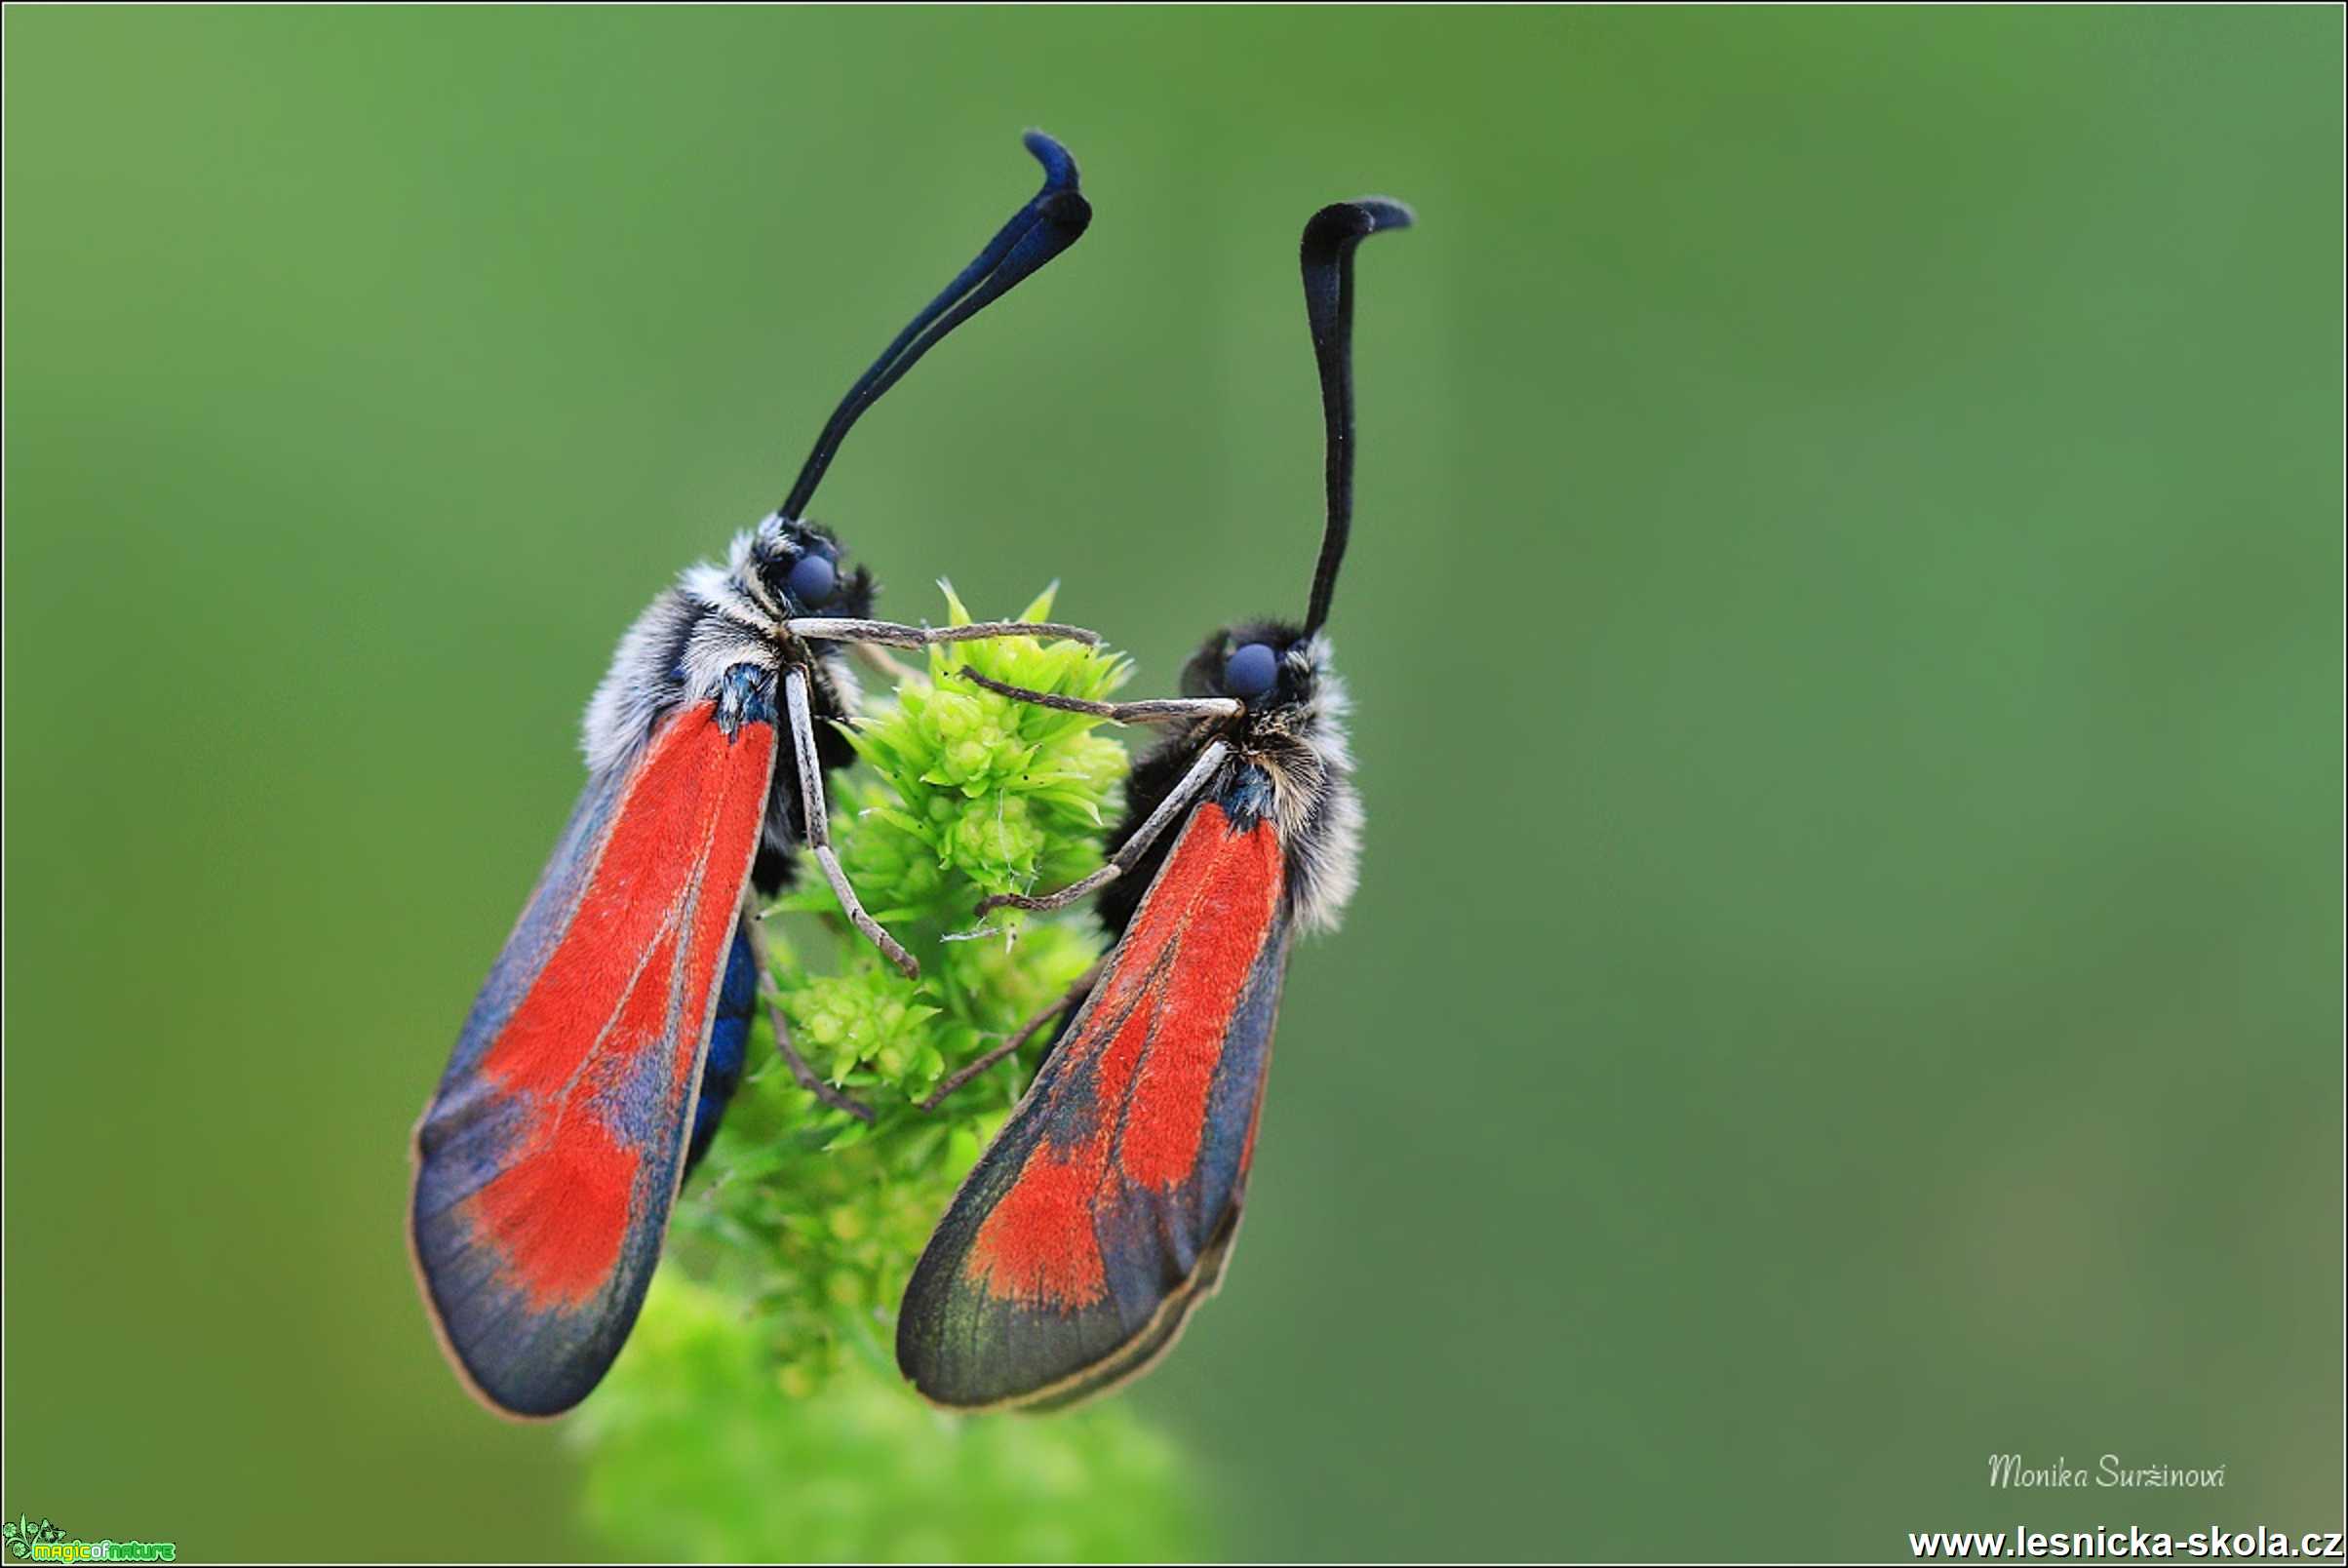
x=757 y=1411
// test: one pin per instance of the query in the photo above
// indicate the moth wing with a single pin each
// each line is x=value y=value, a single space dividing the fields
x=549 y=1158
x=728 y=1045
x=1102 y=1214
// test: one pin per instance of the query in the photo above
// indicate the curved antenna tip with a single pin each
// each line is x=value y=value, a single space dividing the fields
x=1059 y=163
x=1359 y=218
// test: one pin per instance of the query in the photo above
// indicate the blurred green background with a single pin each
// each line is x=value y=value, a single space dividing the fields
x=1845 y=619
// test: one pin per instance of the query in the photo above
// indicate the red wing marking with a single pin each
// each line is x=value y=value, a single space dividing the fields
x=1037 y=1245
x=615 y=988
x=564 y=1208
x=1129 y=1087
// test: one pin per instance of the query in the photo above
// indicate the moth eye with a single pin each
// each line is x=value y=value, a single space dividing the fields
x=1250 y=671
x=812 y=580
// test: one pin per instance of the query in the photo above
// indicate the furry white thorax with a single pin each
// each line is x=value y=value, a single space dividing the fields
x=678 y=649
x=1305 y=751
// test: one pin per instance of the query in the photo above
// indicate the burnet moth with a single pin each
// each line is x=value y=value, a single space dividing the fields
x=1103 y=1212
x=601 y=1053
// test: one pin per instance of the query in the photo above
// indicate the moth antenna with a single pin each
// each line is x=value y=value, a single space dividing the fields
x=1045 y=227
x=1330 y=239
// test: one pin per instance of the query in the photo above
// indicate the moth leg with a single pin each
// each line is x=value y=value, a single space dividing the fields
x=1157 y=711
x=1027 y=1032
x=819 y=830
x=835 y=629
x=801 y=1073
x=881 y=663
x=1177 y=801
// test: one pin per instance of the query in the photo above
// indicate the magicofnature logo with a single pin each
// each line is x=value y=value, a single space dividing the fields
x=44 y=1541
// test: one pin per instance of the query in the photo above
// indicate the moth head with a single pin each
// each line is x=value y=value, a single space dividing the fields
x=802 y=571
x=1267 y=665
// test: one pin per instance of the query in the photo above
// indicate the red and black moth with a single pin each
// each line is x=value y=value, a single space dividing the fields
x=602 y=1050
x=1105 y=1210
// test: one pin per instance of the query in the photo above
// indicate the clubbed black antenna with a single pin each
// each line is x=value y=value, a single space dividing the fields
x=1330 y=239
x=1037 y=232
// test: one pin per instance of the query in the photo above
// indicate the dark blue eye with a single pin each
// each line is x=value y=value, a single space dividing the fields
x=812 y=581
x=1250 y=671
